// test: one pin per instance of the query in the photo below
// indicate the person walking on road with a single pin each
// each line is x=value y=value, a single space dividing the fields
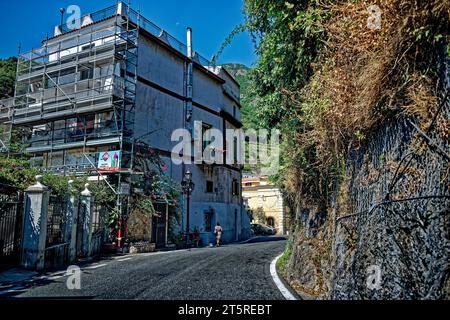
x=218 y=232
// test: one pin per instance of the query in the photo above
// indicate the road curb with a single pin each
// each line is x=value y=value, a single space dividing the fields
x=245 y=241
x=278 y=282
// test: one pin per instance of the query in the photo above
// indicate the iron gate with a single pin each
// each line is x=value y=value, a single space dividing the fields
x=159 y=225
x=11 y=213
x=57 y=250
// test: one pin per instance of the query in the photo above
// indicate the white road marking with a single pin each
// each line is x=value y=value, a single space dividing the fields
x=60 y=273
x=13 y=289
x=125 y=259
x=95 y=267
x=273 y=272
x=53 y=278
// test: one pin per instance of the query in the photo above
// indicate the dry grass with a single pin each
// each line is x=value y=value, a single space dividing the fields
x=368 y=75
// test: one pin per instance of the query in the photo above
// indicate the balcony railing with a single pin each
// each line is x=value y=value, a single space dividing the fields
x=80 y=95
x=79 y=132
x=72 y=51
x=142 y=22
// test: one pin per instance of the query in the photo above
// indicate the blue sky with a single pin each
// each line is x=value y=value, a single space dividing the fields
x=28 y=22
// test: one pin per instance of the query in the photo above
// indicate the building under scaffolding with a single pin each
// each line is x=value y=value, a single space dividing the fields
x=76 y=94
x=116 y=80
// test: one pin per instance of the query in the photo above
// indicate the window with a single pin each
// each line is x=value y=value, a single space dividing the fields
x=86 y=74
x=235 y=188
x=87 y=47
x=57 y=158
x=59 y=131
x=208 y=220
x=104 y=120
x=89 y=123
x=209 y=187
x=235 y=150
x=206 y=135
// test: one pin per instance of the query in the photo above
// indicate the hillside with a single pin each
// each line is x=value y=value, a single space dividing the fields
x=242 y=74
x=7 y=77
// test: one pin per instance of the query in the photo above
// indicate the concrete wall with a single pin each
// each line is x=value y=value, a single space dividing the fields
x=158 y=65
x=159 y=113
x=206 y=91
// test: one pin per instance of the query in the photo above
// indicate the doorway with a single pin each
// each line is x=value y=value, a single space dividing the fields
x=159 y=225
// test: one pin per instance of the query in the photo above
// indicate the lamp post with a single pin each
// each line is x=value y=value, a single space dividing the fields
x=188 y=186
x=62 y=11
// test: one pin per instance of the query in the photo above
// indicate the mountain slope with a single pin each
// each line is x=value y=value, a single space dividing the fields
x=242 y=75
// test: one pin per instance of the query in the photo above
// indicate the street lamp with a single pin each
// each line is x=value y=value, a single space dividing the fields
x=188 y=186
x=62 y=11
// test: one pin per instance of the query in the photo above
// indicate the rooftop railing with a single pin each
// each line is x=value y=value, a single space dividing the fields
x=95 y=17
x=41 y=55
x=158 y=32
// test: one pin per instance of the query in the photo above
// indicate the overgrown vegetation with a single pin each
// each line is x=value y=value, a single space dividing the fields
x=242 y=75
x=16 y=173
x=259 y=215
x=284 y=259
x=326 y=79
x=7 y=77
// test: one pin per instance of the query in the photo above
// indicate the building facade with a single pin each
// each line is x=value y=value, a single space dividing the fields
x=266 y=203
x=90 y=94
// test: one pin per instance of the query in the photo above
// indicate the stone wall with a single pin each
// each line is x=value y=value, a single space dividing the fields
x=403 y=232
x=386 y=234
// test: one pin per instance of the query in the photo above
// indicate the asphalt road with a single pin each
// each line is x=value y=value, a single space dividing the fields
x=236 y=272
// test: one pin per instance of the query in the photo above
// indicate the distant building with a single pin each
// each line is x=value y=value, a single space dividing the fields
x=260 y=195
x=88 y=95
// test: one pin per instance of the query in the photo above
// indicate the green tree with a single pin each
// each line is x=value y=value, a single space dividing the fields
x=7 y=77
x=259 y=216
x=287 y=38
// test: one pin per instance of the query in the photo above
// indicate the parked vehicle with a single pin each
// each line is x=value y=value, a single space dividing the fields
x=273 y=230
x=262 y=230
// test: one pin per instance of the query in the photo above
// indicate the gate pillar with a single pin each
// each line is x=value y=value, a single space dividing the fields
x=35 y=226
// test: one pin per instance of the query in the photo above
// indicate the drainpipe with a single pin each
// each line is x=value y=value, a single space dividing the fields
x=188 y=104
x=189 y=42
x=189 y=80
x=120 y=11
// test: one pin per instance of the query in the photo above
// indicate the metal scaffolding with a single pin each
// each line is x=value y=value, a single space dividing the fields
x=78 y=92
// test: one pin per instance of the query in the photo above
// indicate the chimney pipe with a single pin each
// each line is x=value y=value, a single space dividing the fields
x=189 y=43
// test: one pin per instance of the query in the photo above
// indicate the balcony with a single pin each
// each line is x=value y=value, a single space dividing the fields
x=96 y=48
x=86 y=96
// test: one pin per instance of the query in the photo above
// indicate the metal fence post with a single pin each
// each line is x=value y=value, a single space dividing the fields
x=35 y=226
x=86 y=201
